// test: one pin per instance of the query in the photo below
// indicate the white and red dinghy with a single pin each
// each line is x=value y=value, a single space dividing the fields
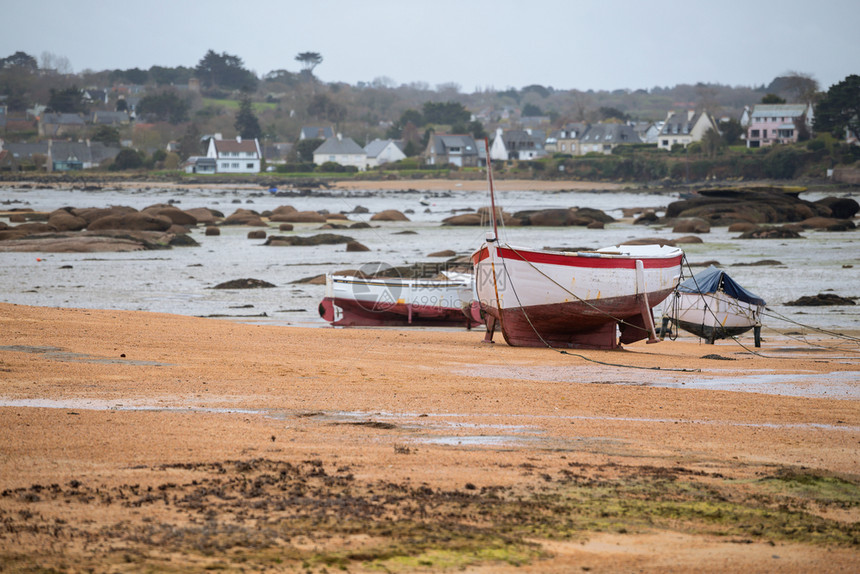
x=352 y=301
x=572 y=299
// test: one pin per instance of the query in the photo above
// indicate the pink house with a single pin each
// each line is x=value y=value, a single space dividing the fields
x=777 y=123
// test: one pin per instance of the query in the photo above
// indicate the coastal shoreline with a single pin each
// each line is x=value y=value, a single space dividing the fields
x=106 y=400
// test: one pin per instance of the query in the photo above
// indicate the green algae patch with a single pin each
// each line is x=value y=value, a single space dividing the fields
x=261 y=513
x=814 y=487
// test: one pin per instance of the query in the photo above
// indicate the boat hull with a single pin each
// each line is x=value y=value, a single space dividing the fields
x=359 y=302
x=713 y=316
x=568 y=300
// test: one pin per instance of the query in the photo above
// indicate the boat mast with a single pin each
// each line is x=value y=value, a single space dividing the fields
x=492 y=191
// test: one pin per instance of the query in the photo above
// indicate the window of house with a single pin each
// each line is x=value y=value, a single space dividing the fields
x=235 y=165
x=666 y=143
x=249 y=165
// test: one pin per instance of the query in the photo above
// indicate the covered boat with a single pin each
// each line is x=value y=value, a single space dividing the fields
x=582 y=299
x=712 y=305
x=352 y=301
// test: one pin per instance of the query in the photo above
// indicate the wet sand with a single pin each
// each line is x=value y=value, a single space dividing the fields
x=136 y=441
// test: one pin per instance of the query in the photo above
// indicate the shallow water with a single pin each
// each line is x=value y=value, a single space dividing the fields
x=180 y=280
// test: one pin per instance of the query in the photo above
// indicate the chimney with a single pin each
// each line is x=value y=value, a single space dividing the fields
x=238 y=139
x=339 y=136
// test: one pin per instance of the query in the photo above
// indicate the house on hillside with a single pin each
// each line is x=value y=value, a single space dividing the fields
x=648 y=132
x=316 y=133
x=518 y=144
x=380 y=152
x=342 y=151
x=603 y=138
x=459 y=150
x=96 y=96
x=778 y=123
x=567 y=138
x=235 y=156
x=685 y=128
x=200 y=164
x=110 y=118
x=27 y=153
x=55 y=125
x=71 y=156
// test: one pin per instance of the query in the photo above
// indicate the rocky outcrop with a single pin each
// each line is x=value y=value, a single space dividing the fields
x=299 y=217
x=245 y=284
x=205 y=216
x=691 y=225
x=245 y=217
x=688 y=239
x=445 y=253
x=25 y=229
x=389 y=215
x=91 y=214
x=90 y=242
x=821 y=299
x=173 y=213
x=319 y=239
x=783 y=232
x=64 y=220
x=280 y=212
x=137 y=221
x=463 y=219
x=828 y=223
x=646 y=218
x=840 y=207
x=651 y=241
x=356 y=246
x=742 y=227
x=723 y=207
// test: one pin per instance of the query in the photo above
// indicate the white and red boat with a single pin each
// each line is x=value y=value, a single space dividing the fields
x=581 y=299
x=352 y=301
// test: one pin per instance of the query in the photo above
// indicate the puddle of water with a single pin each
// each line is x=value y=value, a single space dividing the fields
x=94 y=405
x=482 y=440
x=837 y=385
x=841 y=385
x=407 y=421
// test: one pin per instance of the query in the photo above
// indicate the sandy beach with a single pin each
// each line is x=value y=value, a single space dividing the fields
x=151 y=442
x=479 y=185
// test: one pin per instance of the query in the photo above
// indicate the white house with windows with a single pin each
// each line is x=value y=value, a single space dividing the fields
x=343 y=151
x=685 y=127
x=235 y=156
x=518 y=144
x=380 y=152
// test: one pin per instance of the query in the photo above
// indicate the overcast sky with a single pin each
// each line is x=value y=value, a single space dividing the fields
x=478 y=44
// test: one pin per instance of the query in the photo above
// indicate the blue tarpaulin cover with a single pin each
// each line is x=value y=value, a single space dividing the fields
x=709 y=280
